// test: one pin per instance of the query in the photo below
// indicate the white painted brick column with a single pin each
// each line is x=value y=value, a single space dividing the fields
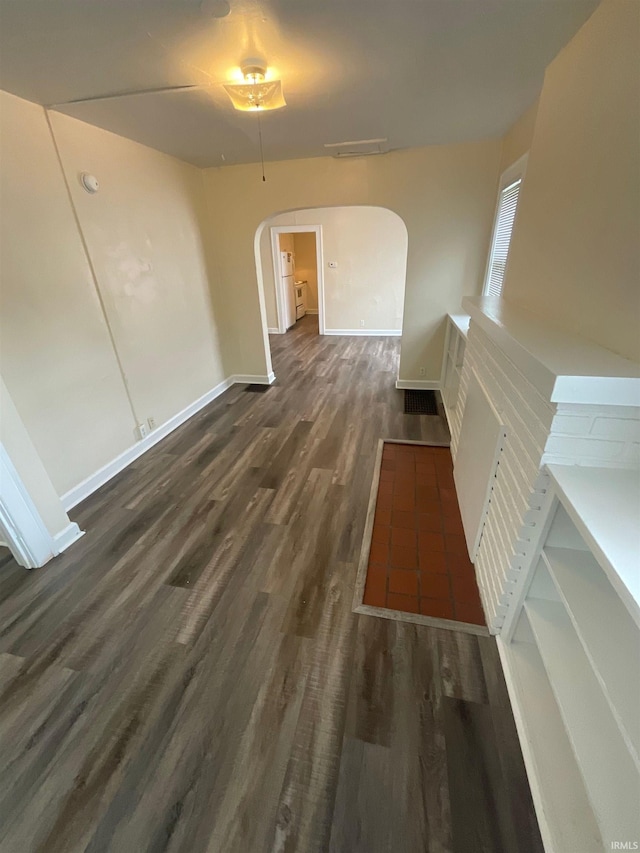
x=538 y=431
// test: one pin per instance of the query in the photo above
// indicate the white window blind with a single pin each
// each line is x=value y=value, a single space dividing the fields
x=502 y=238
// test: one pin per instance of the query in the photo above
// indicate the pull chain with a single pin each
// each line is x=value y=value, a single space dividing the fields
x=261 y=153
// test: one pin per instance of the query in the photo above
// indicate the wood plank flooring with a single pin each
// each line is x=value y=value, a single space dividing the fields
x=189 y=676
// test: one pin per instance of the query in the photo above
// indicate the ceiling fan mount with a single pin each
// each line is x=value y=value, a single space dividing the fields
x=254 y=69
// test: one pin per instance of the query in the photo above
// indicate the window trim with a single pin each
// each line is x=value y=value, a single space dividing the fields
x=516 y=171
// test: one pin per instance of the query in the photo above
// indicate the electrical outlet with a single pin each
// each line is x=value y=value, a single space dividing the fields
x=362 y=324
x=152 y=423
x=422 y=371
x=142 y=431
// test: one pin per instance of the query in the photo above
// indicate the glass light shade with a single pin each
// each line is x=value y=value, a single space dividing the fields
x=256 y=95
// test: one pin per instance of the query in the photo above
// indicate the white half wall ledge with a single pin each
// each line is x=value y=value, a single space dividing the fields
x=562 y=366
x=418 y=384
x=368 y=333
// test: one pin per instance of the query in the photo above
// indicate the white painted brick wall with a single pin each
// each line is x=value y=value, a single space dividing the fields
x=588 y=449
x=527 y=418
x=631 y=458
x=538 y=431
x=593 y=435
x=616 y=428
x=572 y=424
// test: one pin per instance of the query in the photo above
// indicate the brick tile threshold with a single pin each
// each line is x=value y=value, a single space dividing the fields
x=414 y=564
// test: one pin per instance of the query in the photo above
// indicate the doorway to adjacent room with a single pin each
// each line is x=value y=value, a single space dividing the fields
x=353 y=257
x=297 y=275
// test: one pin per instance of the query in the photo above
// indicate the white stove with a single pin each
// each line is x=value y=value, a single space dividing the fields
x=300 y=292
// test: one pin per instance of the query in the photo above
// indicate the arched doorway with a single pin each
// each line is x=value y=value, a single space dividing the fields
x=360 y=274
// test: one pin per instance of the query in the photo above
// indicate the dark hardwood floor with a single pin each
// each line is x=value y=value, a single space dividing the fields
x=189 y=676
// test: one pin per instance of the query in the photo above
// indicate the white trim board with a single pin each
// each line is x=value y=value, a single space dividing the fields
x=311 y=310
x=369 y=333
x=252 y=378
x=275 y=331
x=66 y=537
x=418 y=384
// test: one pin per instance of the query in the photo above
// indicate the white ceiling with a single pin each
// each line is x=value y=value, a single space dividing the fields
x=418 y=72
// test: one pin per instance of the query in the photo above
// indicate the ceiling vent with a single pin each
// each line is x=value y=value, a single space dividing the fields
x=357 y=148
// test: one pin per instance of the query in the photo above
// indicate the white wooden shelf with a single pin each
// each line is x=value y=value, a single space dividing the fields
x=571 y=653
x=455 y=343
x=607 y=633
x=567 y=824
x=609 y=773
x=604 y=505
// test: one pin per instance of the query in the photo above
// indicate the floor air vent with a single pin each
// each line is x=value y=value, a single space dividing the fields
x=420 y=403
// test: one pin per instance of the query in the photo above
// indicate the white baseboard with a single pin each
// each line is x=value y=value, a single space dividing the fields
x=418 y=384
x=66 y=537
x=78 y=493
x=253 y=379
x=271 y=331
x=312 y=311
x=371 y=333
x=89 y=485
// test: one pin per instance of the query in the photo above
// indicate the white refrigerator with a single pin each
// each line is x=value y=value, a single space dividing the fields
x=287 y=272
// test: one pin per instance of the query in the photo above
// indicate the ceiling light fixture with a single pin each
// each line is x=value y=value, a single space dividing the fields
x=256 y=93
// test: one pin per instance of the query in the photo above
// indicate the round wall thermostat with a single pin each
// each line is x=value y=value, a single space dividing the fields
x=89 y=182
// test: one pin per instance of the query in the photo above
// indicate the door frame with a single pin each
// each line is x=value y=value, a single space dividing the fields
x=20 y=523
x=276 y=230
x=22 y=528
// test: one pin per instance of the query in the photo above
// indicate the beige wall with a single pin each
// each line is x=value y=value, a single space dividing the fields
x=287 y=243
x=517 y=140
x=304 y=243
x=444 y=194
x=143 y=234
x=365 y=290
x=55 y=353
x=134 y=249
x=575 y=253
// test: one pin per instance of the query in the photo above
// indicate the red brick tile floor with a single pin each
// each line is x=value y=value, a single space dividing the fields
x=418 y=561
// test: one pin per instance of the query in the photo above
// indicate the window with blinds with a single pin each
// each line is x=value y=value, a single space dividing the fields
x=501 y=239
